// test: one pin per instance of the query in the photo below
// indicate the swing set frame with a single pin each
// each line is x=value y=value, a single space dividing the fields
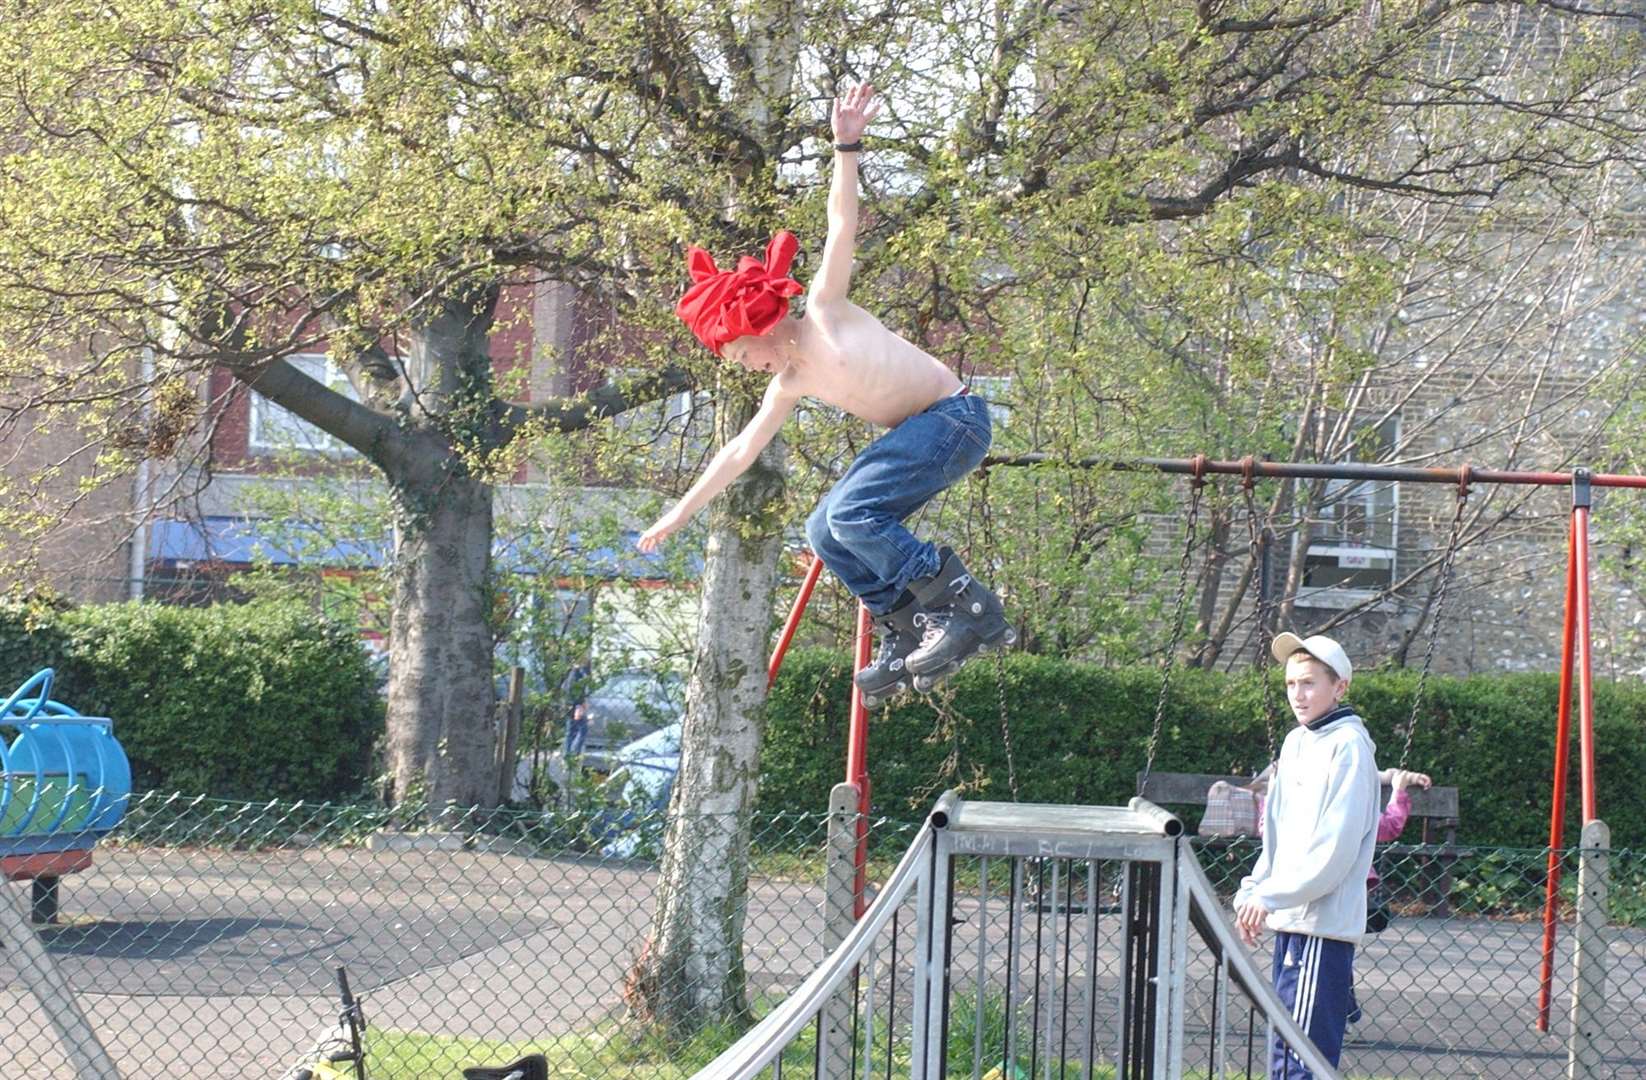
x=1576 y=651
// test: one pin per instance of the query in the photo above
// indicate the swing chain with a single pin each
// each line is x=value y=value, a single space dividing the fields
x=1255 y=546
x=1446 y=563
x=1005 y=728
x=999 y=662
x=1178 y=605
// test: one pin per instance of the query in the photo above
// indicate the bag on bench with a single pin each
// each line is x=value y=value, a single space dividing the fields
x=1235 y=810
x=1230 y=811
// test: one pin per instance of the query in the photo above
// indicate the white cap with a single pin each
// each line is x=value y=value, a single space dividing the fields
x=1319 y=646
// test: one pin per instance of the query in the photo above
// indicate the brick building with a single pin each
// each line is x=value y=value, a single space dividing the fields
x=85 y=553
x=1360 y=560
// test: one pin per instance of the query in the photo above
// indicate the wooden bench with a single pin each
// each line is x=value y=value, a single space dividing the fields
x=1434 y=809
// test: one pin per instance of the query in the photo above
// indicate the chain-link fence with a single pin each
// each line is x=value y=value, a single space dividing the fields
x=1451 y=986
x=203 y=940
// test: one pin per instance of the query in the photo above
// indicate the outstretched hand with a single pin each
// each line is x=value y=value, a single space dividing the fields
x=852 y=112
x=653 y=538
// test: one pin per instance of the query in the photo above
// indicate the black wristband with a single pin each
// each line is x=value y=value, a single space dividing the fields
x=849 y=147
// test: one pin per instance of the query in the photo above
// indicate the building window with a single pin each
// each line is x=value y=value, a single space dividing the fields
x=274 y=428
x=1354 y=534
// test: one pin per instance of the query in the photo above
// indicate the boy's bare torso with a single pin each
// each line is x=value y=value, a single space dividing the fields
x=849 y=359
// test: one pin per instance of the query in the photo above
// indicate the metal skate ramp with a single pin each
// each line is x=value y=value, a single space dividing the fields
x=1027 y=941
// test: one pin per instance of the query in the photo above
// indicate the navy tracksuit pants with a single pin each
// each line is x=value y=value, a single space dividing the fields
x=1314 y=976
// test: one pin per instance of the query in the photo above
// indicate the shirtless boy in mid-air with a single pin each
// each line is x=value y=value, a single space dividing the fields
x=933 y=615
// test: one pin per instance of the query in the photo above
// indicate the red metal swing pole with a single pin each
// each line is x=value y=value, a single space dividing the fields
x=813 y=572
x=857 y=760
x=1575 y=654
x=1557 y=811
x=857 y=738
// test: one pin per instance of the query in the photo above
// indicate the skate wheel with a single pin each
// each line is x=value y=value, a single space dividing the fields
x=1010 y=636
x=902 y=686
x=923 y=683
x=870 y=701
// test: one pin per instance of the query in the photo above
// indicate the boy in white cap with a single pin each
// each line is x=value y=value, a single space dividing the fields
x=1319 y=829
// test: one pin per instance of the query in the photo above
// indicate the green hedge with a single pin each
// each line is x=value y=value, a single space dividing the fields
x=1079 y=735
x=263 y=700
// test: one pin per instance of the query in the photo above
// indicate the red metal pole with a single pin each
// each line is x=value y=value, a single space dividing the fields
x=1585 y=686
x=813 y=572
x=1557 y=811
x=857 y=735
x=857 y=759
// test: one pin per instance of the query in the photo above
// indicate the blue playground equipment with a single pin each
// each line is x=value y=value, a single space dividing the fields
x=64 y=783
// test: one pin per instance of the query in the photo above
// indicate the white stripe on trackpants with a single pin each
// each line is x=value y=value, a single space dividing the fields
x=1313 y=976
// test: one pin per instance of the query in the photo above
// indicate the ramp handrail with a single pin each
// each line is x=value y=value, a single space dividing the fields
x=1205 y=900
x=767 y=1039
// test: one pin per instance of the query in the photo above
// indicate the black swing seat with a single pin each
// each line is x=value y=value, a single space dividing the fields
x=530 y=1067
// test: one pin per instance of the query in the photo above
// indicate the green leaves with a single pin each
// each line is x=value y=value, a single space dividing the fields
x=1171 y=227
x=263 y=700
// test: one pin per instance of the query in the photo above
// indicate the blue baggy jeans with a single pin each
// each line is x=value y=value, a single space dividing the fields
x=858 y=531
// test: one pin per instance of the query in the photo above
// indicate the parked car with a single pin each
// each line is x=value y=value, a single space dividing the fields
x=627 y=706
x=637 y=791
x=642 y=772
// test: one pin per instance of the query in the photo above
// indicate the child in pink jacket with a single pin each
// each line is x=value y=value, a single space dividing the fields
x=1393 y=820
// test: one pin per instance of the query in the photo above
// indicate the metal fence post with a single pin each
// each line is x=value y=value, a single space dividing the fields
x=1583 y=1056
x=1175 y=958
x=1166 y=973
x=932 y=968
x=511 y=713
x=839 y=916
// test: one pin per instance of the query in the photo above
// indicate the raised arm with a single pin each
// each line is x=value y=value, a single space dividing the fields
x=731 y=462
x=852 y=112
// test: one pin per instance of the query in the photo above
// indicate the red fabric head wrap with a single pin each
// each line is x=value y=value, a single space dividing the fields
x=724 y=305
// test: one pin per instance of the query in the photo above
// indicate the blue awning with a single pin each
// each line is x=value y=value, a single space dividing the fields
x=241 y=541
x=246 y=541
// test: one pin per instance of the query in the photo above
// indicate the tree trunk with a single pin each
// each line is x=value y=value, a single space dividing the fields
x=441 y=695
x=1212 y=648
x=1210 y=584
x=691 y=972
x=430 y=420
x=1308 y=509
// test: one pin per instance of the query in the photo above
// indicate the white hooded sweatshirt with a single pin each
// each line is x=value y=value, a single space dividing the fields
x=1319 y=829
